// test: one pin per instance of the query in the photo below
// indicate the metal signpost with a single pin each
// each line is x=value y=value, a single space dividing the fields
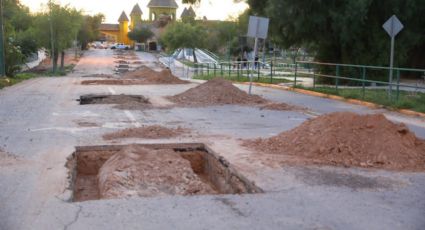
x=393 y=26
x=2 y=53
x=258 y=28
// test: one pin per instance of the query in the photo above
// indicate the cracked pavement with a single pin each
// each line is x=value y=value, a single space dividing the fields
x=39 y=124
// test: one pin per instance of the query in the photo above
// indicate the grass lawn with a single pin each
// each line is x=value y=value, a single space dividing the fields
x=234 y=77
x=407 y=100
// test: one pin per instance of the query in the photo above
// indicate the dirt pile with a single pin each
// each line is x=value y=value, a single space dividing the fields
x=141 y=76
x=99 y=76
x=148 y=132
x=349 y=139
x=150 y=76
x=216 y=92
x=136 y=171
x=281 y=107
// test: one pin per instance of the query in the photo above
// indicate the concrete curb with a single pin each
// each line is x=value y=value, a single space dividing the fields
x=338 y=98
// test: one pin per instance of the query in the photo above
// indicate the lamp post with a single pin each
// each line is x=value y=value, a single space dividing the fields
x=2 y=51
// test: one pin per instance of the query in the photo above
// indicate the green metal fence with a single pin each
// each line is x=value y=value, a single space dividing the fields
x=361 y=77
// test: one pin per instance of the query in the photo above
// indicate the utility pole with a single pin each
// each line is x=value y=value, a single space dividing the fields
x=2 y=51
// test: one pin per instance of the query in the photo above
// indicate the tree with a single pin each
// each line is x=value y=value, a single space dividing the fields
x=348 y=31
x=62 y=23
x=18 y=43
x=182 y=35
x=140 y=35
x=89 y=30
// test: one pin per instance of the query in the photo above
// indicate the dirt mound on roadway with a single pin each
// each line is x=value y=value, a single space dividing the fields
x=142 y=76
x=149 y=75
x=99 y=75
x=219 y=91
x=349 y=139
x=148 y=132
x=136 y=171
x=216 y=92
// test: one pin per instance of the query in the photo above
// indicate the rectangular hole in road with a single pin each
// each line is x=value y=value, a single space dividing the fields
x=110 y=172
x=112 y=99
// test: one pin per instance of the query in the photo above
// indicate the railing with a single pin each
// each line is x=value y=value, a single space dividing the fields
x=307 y=74
x=343 y=76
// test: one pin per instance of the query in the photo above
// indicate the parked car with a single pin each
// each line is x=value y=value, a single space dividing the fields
x=120 y=46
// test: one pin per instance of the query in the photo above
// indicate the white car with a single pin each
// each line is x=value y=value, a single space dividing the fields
x=120 y=46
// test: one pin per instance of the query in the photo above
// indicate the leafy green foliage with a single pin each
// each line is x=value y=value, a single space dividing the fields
x=140 y=35
x=348 y=31
x=179 y=35
x=65 y=23
x=89 y=30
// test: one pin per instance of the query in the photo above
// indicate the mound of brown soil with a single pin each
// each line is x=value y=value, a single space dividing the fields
x=99 y=75
x=136 y=171
x=349 y=139
x=150 y=76
x=280 y=107
x=217 y=91
x=148 y=132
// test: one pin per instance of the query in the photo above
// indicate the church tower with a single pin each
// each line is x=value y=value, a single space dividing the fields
x=162 y=7
x=136 y=17
x=123 y=20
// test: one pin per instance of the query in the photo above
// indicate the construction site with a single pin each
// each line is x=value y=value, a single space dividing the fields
x=123 y=142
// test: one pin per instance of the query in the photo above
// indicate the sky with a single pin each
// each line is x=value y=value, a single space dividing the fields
x=212 y=9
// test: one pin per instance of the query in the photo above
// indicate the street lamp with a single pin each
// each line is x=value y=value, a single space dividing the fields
x=2 y=51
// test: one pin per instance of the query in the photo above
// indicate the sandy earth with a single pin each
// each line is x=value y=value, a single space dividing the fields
x=149 y=132
x=348 y=139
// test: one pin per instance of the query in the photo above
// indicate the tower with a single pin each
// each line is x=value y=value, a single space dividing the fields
x=136 y=17
x=162 y=7
x=123 y=20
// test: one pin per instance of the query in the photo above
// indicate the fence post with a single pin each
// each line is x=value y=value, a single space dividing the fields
x=271 y=72
x=398 y=84
x=215 y=70
x=208 y=69
x=295 y=76
x=238 y=64
x=364 y=82
x=258 y=71
x=230 y=68
x=337 y=77
x=314 y=78
x=221 y=67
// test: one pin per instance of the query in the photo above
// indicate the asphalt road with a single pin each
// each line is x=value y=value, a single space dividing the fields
x=39 y=124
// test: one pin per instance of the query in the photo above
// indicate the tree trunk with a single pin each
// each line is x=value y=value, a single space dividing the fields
x=62 y=60
x=55 y=61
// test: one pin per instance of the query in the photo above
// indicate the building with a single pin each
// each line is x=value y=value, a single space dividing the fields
x=157 y=9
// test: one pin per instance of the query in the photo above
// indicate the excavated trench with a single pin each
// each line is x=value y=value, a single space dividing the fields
x=98 y=172
x=112 y=99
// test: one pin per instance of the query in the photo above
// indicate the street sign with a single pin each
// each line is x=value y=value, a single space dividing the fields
x=258 y=27
x=393 y=26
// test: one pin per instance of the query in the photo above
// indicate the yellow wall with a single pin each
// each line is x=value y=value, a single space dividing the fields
x=123 y=33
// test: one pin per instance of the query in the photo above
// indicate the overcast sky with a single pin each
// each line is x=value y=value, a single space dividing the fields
x=212 y=9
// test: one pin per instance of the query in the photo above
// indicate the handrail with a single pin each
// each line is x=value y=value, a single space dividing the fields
x=362 y=66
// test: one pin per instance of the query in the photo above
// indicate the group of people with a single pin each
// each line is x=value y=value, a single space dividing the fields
x=243 y=63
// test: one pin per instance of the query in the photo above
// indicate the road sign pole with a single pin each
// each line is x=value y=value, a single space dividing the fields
x=253 y=64
x=391 y=66
x=2 y=51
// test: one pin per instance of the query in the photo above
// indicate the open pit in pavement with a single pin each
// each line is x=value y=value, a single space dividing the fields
x=107 y=172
